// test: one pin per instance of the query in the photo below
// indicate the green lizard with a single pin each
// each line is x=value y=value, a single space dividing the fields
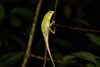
x=45 y=27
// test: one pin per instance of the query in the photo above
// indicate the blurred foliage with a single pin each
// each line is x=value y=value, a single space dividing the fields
x=23 y=12
x=16 y=18
x=10 y=59
x=2 y=12
x=95 y=39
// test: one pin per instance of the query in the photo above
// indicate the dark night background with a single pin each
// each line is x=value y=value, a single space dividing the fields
x=16 y=18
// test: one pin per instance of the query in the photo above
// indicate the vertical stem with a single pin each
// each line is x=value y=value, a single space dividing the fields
x=55 y=10
x=28 y=51
x=45 y=57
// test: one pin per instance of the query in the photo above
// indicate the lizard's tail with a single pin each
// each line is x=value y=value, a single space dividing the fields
x=47 y=45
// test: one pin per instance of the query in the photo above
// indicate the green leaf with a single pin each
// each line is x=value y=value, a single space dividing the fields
x=90 y=65
x=68 y=57
x=95 y=39
x=10 y=59
x=15 y=21
x=85 y=55
x=2 y=12
x=96 y=57
x=24 y=13
x=77 y=20
x=98 y=63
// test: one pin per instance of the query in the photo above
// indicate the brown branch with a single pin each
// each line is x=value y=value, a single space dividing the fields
x=39 y=57
x=45 y=57
x=79 y=29
x=55 y=10
x=28 y=51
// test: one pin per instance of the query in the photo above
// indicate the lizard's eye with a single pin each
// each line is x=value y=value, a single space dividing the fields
x=50 y=12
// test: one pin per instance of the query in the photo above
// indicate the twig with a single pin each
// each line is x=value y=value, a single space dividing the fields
x=28 y=51
x=39 y=57
x=45 y=57
x=79 y=29
x=55 y=10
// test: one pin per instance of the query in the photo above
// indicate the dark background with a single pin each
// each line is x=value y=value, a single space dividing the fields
x=16 y=18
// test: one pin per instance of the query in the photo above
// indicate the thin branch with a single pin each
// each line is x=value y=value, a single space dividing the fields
x=45 y=57
x=55 y=10
x=39 y=57
x=28 y=51
x=79 y=29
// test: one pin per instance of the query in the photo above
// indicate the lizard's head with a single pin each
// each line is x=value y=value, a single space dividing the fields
x=49 y=14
